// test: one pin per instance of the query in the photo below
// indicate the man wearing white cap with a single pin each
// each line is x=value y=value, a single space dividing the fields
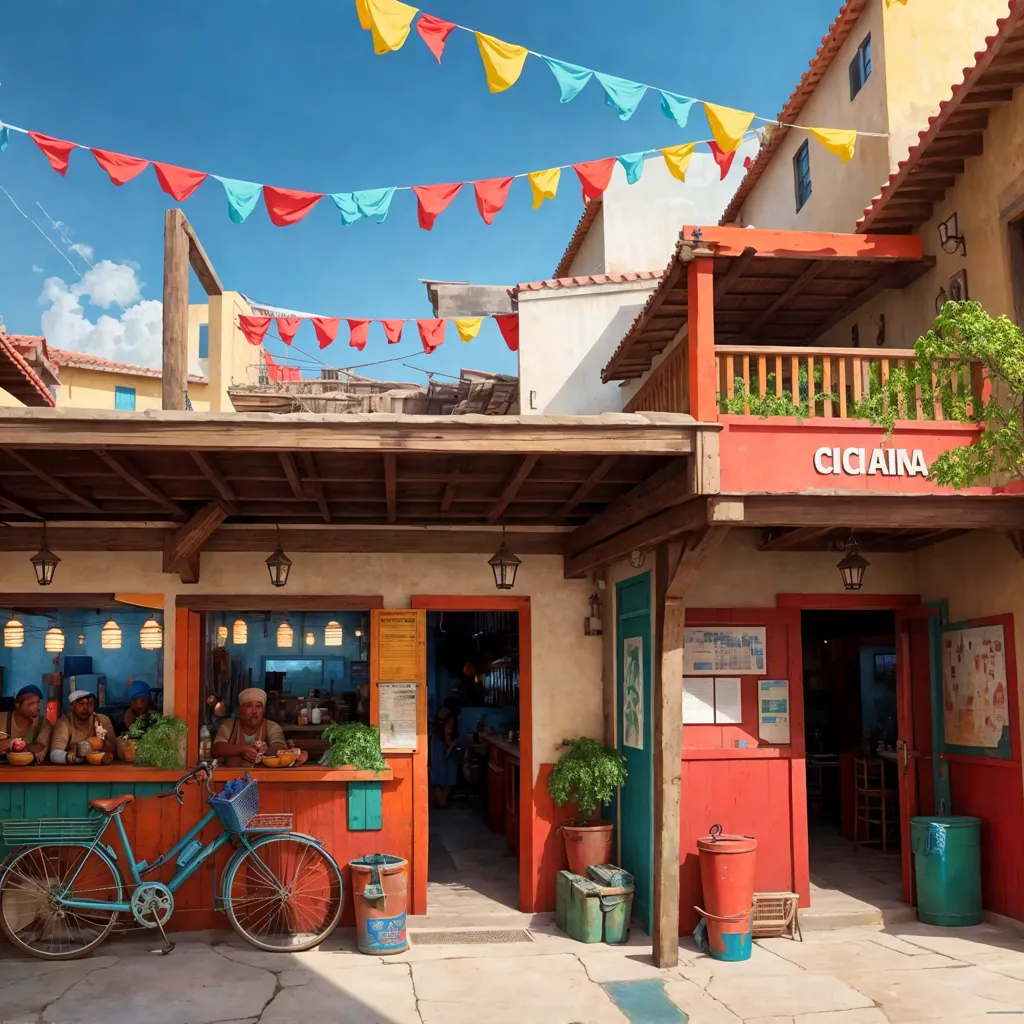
x=82 y=723
x=240 y=741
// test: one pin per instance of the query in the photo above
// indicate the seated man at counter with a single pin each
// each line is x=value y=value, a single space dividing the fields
x=26 y=722
x=240 y=741
x=81 y=723
x=140 y=700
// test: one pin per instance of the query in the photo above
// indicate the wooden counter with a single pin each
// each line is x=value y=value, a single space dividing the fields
x=503 y=790
x=116 y=772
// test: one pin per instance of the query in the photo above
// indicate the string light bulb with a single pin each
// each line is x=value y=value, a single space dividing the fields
x=310 y=639
x=110 y=636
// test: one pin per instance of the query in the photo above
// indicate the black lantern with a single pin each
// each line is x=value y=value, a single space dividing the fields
x=279 y=565
x=504 y=565
x=44 y=561
x=851 y=567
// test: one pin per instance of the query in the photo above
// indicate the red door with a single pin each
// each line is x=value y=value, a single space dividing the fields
x=914 y=727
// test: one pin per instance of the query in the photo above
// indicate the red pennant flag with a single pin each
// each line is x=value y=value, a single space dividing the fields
x=393 y=330
x=326 y=328
x=490 y=196
x=56 y=150
x=358 y=330
x=747 y=163
x=287 y=205
x=724 y=160
x=179 y=182
x=431 y=334
x=434 y=32
x=432 y=200
x=286 y=327
x=120 y=167
x=595 y=176
x=254 y=328
x=508 y=324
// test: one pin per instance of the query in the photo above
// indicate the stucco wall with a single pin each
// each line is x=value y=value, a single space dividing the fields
x=94 y=389
x=589 y=258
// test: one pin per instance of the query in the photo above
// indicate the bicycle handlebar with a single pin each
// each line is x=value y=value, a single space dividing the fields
x=203 y=770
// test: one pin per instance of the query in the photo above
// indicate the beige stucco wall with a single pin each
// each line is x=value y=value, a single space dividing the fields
x=589 y=258
x=81 y=388
x=7 y=399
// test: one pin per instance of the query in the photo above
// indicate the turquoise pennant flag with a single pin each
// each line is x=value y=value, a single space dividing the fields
x=570 y=77
x=633 y=165
x=346 y=204
x=622 y=94
x=5 y=137
x=242 y=197
x=676 y=108
x=374 y=202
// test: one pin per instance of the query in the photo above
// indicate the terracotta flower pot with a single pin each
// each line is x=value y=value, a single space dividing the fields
x=587 y=844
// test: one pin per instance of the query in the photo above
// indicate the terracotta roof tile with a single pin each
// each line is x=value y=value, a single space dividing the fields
x=589 y=215
x=17 y=374
x=87 y=361
x=589 y=279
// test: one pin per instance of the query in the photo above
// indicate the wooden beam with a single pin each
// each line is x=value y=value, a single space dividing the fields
x=777 y=244
x=1016 y=538
x=600 y=471
x=127 y=472
x=291 y=472
x=175 y=311
x=309 y=464
x=182 y=545
x=729 y=278
x=512 y=487
x=794 y=538
x=187 y=569
x=51 y=481
x=16 y=506
x=206 y=466
x=391 y=485
x=200 y=262
x=790 y=293
x=449 y=491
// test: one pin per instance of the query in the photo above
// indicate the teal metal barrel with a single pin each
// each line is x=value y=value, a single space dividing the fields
x=947 y=861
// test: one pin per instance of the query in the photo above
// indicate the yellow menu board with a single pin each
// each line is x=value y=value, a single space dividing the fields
x=401 y=645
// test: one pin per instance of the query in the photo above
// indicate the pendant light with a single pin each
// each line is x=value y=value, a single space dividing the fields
x=333 y=635
x=222 y=635
x=311 y=639
x=81 y=639
x=504 y=565
x=852 y=566
x=239 y=632
x=44 y=562
x=54 y=640
x=110 y=636
x=151 y=636
x=279 y=565
x=285 y=634
x=14 y=634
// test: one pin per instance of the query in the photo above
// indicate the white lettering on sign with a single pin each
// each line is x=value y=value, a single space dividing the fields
x=877 y=462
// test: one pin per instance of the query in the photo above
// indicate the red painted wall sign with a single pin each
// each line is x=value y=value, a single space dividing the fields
x=870 y=461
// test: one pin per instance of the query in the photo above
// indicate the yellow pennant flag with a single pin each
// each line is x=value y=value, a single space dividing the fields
x=677 y=158
x=840 y=141
x=544 y=184
x=468 y=329
x=889 y=3
x=727 y=125
x=503 y=62
x=390 y=22
x=364 y=14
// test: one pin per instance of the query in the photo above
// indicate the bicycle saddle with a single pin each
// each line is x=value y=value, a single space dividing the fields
x=112 y=804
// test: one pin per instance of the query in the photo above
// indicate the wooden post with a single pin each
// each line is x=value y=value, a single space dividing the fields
x=175 y=325
x=700 y=287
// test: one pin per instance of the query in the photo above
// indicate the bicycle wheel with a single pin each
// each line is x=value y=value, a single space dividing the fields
x=285 y=894
x=32 y=913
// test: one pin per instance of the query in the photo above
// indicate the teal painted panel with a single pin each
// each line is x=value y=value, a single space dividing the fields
x=365 y=812
x=374 y=806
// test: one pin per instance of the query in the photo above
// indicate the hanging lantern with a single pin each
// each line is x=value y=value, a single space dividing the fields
x=239 y=632
x=54 y=640
x=151 y=636
x=222 y=635
x=14 y=634
x=504 y=565
x=110 y=636
x=44 y=562
x=852 y=565
x=333 y=635
x=285 y=635
x=279 y=565
x=310 y=639
x=81 y=639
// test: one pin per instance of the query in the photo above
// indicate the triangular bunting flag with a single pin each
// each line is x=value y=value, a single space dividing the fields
x=468 y=328
x=287 y=205
x=490 y=196
x=621 y=93
x=254 y=328
x=347 y=207
x=728 y=125
x=178 y=182
x=676 y=108
x=121 y=168
x=358 y=331
x=677 y=159
x=374 y=203
x=594 y=176
x=544 y=184
x=242 y=197
x=363 y=14
x=571 y=78
x=431 y=334
x=389 y=22
x=842 y=142
x=724 y=160
x=326 y=328
x=889 y=3
x=434 y=32
x=286 y=327
x=503 y=62
x=56 y=150
x=508 y=324
x=393 y=330
x=633 y=165
x=432 y=200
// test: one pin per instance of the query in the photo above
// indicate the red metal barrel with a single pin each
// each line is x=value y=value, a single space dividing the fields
x=727 y=878
x=380 y=888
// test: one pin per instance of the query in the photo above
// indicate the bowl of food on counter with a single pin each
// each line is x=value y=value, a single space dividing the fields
x=18 y=754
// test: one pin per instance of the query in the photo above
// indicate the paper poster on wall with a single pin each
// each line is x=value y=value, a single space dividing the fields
x=974 y=690
x=398 y=715
x=773 y=710
x=401 y=644
x=728 y=702
x=734 y=649
x=633 y=693
x=698 y=701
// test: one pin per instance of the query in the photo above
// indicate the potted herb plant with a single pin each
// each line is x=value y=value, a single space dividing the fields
x=353 y=745
x=162 y=744
x=128 y=744
x=587 y=775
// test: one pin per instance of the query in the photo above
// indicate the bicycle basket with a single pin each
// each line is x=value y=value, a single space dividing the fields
x=237 y=811
x=25 y=831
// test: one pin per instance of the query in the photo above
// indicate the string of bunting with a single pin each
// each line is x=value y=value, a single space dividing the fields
x=431 y=331
x=389 y=22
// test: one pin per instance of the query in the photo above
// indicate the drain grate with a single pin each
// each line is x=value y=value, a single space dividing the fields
x=498 y=936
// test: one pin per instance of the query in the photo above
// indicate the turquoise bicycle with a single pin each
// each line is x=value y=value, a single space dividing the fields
x=61 y=891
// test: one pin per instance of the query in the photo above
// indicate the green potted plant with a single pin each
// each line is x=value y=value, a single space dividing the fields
x=587 y=775
x=162 y=744
x=128 y=744
x=353 y=745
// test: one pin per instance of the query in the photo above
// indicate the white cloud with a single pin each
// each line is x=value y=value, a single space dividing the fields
x=36 y=269
x=83 y=250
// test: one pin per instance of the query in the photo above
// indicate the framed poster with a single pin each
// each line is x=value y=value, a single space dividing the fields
x=712 y=701
x=401 y=643
x=633 y=693
x=399 y=705
x=975 y=691
x=717 y=650
x=773 y=711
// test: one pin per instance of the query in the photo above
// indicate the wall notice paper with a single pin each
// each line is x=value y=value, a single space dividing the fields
x=401 y=644
x=728 y=703
x=698 y=701
x=398 y=711
x=735 y=649
x=773 y=710
x=974 y=688
x=633 y=693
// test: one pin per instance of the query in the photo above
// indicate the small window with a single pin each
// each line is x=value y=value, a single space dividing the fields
x=860 y=67
x=204 y=341
x=124 y=399
x=802 y=175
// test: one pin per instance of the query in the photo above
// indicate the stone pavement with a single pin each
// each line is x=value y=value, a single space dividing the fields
x=907 y=973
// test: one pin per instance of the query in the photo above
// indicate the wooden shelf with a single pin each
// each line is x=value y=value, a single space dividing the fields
x=129 y=773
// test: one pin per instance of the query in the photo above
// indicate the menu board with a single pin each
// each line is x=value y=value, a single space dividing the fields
x=401 y=644
x=974 y=691
x=738 y=650
x=773 y=710
x=398 y=715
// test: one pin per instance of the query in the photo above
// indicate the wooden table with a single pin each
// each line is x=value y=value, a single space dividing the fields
x=503 y=790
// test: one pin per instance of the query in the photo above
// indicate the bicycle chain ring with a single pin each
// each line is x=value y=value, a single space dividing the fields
x=152 y=904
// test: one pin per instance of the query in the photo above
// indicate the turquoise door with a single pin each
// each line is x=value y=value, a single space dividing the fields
x=634 y=725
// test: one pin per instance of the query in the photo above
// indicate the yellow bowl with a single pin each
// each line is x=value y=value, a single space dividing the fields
x=20 y=758
x=95 y=757
x=270 y=762
x=288 y=756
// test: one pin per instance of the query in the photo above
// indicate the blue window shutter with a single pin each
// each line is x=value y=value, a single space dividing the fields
x=204 y=341
x=124 y=399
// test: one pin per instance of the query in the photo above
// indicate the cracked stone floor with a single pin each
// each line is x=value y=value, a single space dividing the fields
x=907 y=973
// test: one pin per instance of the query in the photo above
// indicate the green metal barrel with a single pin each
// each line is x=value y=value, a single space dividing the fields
x=947 y=861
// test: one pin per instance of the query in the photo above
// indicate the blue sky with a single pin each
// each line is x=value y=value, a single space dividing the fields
x=291 y=94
